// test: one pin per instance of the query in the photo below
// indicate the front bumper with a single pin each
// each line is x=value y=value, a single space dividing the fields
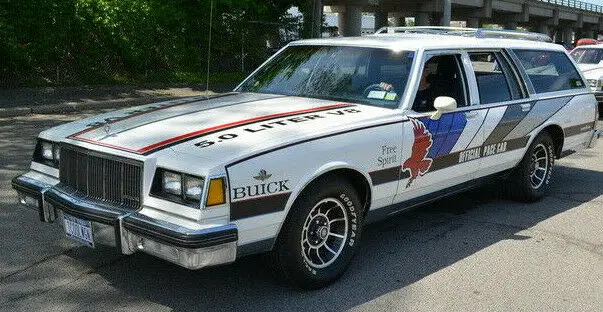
x=130 y=231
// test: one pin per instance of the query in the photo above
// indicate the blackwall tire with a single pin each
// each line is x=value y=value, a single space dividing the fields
x=531 y=179
x=321 y=234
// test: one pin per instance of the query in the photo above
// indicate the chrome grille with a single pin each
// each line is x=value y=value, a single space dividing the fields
x=109 y=179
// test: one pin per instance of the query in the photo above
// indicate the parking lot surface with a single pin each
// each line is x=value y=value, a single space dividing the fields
x=477 y=251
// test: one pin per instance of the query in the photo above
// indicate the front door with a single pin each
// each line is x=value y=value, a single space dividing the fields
x=436 y=153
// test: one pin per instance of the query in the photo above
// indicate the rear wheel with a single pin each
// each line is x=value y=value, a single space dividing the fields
x=531 y=179
x=321 y=235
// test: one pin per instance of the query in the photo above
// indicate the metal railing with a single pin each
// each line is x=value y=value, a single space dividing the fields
x=576 y=4
x=467 y=32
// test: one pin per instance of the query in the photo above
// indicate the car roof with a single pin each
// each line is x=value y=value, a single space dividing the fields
x=413 y=42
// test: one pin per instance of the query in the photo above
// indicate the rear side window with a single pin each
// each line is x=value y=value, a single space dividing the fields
x=495 y=80
x=549 y=70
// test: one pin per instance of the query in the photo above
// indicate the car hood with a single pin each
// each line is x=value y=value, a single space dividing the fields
x=591 y=71
x=224 y=127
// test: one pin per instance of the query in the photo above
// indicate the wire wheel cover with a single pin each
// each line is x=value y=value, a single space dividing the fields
x=325 y=233
x=539 y=166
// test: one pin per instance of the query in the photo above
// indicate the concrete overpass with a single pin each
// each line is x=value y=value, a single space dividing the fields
x=557 y=18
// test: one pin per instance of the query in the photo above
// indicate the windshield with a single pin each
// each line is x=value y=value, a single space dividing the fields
x=587 y=56
x=351 y=74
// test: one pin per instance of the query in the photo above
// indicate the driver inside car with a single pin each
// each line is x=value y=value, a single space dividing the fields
x=426 y=94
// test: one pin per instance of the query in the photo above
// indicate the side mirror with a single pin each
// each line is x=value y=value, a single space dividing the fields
x=601 y=62
x=442 y=105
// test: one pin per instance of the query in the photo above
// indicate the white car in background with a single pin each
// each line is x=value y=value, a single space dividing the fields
x=590 y=62
x=325 y=137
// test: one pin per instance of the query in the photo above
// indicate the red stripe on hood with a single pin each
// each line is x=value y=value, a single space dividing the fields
x=150 y=148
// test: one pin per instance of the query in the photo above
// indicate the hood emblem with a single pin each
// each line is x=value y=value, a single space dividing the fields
x=262 y=176
x=107 y=129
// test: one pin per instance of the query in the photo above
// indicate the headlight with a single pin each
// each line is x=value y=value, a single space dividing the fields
x=178 y=187
x=47 y=153
x=172 y=183
x=47 y=150
x=193 y=187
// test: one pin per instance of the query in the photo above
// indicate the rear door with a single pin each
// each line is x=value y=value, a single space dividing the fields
x=505 y=104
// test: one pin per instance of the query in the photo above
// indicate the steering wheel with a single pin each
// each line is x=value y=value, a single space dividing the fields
x=374 y=87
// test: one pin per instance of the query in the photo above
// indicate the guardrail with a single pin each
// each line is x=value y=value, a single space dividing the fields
x=576 y=4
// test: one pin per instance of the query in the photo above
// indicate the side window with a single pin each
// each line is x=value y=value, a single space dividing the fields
x=549 y=70
x=442 y=75
x=495 y=79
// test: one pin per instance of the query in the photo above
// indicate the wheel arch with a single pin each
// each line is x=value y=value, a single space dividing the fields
x=359 y=180
x=558 y=136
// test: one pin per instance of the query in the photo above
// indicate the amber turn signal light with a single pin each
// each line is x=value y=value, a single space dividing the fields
x=217 y=192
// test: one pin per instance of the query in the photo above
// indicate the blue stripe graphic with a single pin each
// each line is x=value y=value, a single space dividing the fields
x=445 y=132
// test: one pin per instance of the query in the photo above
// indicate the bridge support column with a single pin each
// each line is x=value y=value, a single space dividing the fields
x=446 y=13
x=380 y=19
x=422 y=19
x=566 y=34
x=317 y=11
x=399 y=19
x=511 y=25
x=473 y=22
x=543 y=28
x=350 y=21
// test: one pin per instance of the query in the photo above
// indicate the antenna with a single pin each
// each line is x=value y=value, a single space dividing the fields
x=211 y=15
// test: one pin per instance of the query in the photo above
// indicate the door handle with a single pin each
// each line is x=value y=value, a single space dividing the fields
x=470 y=114
x=526 y=107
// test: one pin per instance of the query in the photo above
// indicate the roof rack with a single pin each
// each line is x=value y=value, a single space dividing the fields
x=467 y=32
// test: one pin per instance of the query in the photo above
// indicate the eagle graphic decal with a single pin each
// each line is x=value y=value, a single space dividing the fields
x=418 y=163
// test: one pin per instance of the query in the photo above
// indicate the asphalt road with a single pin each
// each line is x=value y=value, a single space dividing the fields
x=474 y=252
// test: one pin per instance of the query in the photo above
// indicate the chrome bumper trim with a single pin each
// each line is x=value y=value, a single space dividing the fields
x=35 y=189
x=131 y=231
x=178 y=236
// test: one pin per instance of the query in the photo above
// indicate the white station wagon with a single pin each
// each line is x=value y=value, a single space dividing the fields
x=324 y=138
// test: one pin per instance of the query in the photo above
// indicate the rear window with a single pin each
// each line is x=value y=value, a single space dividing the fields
x=549 y=70
x=495 y=81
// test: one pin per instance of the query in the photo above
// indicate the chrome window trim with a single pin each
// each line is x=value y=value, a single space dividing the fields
x=409 y=98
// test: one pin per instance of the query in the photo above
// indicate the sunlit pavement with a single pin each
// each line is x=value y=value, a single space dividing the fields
x=474 y=252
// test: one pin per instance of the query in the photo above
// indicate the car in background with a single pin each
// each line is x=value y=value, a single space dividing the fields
x=590 y=62
x=586 y=41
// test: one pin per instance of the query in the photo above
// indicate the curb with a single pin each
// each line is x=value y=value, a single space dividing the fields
x=79 y=106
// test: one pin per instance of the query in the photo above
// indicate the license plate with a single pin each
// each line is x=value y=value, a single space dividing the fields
x=78 y=230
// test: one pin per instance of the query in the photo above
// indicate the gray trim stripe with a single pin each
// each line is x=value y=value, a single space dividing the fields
x=385 y=175
x=445 y=161
x=450 y=160
x=578 y=129
x=541 y=111
x=511 y=118
x=254 y=207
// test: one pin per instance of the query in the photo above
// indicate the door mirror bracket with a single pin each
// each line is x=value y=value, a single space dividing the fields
x=443 y=104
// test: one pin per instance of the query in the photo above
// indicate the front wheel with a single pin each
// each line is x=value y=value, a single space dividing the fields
x=531 y=179
x=321 y=235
